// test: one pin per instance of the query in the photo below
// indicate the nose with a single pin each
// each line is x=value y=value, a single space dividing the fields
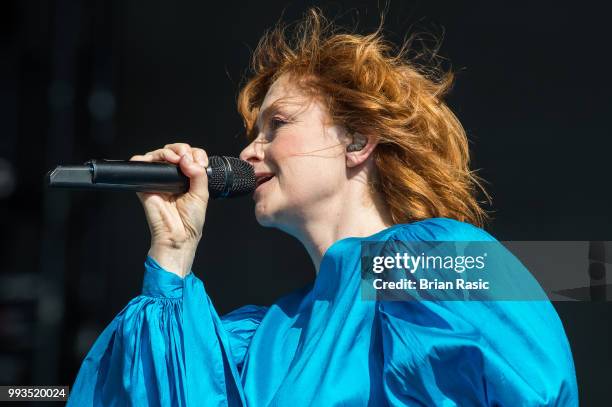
x=253 y=152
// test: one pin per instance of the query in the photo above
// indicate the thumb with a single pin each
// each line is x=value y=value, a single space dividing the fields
x=198 y=179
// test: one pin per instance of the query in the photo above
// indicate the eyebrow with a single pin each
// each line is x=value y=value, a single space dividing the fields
x=264 y=115
x=267 y=112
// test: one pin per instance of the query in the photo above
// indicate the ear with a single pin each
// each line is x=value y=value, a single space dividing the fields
x=360 y=148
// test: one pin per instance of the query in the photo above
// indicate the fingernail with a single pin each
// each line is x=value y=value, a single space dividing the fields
x=187 y=158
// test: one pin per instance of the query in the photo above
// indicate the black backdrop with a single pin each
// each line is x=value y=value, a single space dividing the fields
x=109 y=79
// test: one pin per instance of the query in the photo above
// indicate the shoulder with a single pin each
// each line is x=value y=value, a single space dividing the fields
x=441 y=229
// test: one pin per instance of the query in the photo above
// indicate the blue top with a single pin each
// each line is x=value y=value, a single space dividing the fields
x=323 y=345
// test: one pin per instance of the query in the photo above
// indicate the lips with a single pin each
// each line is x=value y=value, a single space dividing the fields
x=262 y=178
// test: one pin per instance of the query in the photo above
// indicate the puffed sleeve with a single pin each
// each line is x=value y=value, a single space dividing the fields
x=167 y=347
x=240 y=326
x=473 y=353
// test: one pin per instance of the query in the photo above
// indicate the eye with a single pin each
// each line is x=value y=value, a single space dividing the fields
x=277 y=122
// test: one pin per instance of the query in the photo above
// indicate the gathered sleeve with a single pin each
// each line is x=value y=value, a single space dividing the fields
x=473 y=353
x=168 y=346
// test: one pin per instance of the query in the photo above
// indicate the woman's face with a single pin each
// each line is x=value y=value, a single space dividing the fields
x=298 y=156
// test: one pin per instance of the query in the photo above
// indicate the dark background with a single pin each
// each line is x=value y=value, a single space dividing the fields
x=109 y=79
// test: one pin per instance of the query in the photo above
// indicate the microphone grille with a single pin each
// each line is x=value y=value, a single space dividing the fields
x=239 y=174
x=216 y=177
x=244 y=177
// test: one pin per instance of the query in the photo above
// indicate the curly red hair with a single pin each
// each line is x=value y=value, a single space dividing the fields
x=422 y=156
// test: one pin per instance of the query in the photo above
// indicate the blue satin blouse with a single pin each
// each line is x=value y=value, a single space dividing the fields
x=325 y=346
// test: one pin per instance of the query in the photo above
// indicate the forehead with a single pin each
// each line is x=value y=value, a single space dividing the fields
x=283 y=90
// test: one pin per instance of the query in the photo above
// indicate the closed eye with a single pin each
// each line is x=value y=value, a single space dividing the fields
x=277 y=122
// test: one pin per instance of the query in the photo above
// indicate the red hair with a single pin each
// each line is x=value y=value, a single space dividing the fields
x=422 y=156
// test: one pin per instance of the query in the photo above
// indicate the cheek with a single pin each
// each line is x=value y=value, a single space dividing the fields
x=288 y=145
x=290 y=154
x=309 y=169
x=308 y=180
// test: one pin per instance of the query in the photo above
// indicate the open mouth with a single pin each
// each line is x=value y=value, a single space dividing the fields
x=262 y=179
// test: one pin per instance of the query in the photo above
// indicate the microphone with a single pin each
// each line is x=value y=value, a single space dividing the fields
x=227 y=176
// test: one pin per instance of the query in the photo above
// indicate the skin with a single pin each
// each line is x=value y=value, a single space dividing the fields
x=319 y=192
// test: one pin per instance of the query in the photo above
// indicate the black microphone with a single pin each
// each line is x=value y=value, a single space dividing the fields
x=227 y=176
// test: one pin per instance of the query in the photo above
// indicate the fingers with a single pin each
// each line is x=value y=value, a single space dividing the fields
x=163 y=154
x=191 y=160
x=179 y=148
x=197 y=154
x=200 y=156
x=173 y=153
x=141 y=158
x=198 y=180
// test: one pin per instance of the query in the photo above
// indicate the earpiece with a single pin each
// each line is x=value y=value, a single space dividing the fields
x=359 y=142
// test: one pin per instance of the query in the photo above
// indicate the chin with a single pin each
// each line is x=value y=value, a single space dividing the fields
x=266 y=223
x=271 y=216
x=264 y=218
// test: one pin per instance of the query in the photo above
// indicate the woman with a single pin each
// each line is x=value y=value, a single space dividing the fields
x=349 y=145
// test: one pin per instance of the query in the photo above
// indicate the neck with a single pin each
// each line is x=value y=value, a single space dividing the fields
x=355 y=213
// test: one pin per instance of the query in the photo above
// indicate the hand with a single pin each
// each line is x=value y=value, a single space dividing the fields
x=176 y=221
